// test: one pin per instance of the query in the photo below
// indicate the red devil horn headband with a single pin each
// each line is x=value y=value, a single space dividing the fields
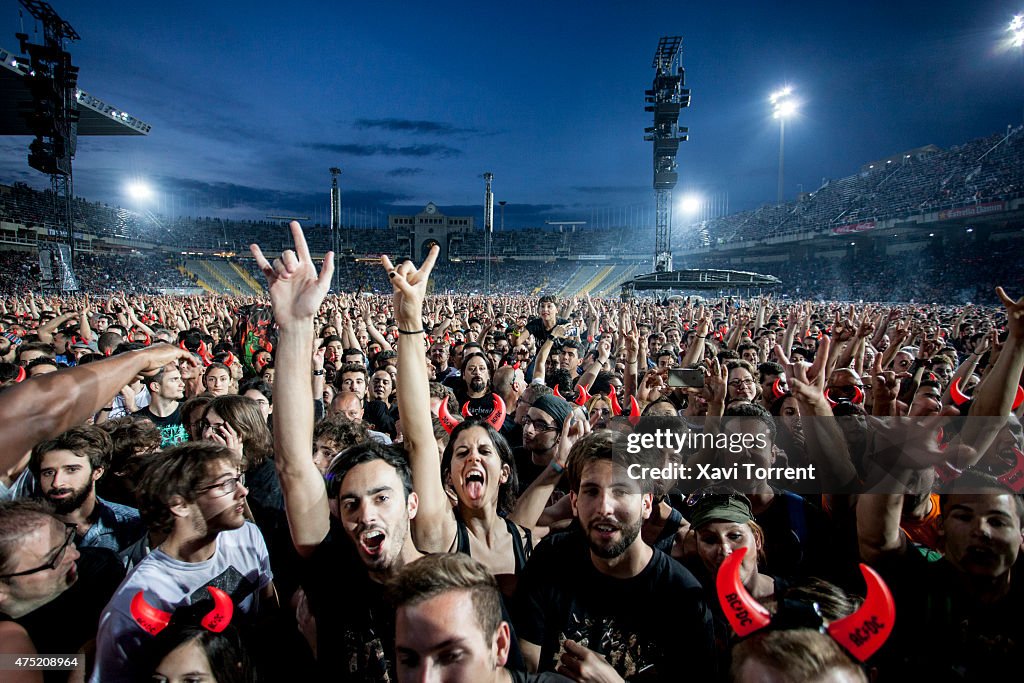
x=582 y=395
x=778 y=390
x=745 y=614
x=956 y=394
x=860 y=634
x=616 y=408
x=447 y=421
x=867 y=629
x=219 y=617
x=1015 y=477
x=497 y=417
x=634 y=411
x=153 y=620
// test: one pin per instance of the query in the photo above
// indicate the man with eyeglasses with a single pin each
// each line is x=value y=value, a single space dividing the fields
x=542 y=429
x=439 y=354
x=196 y=494
x=51 y=593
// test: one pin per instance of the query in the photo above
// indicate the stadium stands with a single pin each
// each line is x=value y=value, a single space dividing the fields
x=927 y=180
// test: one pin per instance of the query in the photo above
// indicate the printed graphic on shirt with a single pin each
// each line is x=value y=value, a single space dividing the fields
x=624 y=651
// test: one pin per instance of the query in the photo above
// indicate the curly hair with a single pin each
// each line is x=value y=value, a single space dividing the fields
x=341 y=432
x=130 y=437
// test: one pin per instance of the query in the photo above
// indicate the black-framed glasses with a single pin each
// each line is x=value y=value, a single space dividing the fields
x=58 y=557
x=539 y=425
x=223 y=488
x=737 y=383
x=204 y=424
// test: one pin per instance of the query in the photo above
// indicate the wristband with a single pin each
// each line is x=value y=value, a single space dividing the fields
x=556 y=467
x=419 y=331
x=319 y=373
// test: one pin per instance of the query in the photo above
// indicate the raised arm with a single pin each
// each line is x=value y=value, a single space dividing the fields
x=995 y=396
x=53 y=403
x=371 y=329
x=84 y=329
x=46 y=330
x=434 y=527
x=296 y=292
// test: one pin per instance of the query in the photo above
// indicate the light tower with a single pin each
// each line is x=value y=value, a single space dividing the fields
x=54 y=116
x=666 y=98
x=784 y=105
x=336 y=225
x=1016 y=30
x=488 y=229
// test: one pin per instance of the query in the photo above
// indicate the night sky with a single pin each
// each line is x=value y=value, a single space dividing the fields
x=252 y=102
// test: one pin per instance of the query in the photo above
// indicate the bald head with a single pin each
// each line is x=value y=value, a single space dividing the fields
x=508 y=381
x=349 y=404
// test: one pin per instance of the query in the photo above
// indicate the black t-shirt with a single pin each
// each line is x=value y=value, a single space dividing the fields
x=480 y=407
x=526 y=469
x=62 y=626
x=944 y=634
x=798 y=540
x=172 y=431
x=355 y=624
x=652 y=627
x=535 y=326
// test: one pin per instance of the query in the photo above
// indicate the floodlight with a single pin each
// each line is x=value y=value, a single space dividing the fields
x=784 y=109
x=139 y=190
x=784 y=105
x=690 y=204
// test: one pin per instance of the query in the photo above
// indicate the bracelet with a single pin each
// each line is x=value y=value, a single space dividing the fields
x=632 y=361
x=319 y=373
x=105 y=410
x=419 y=331
x=556 y=467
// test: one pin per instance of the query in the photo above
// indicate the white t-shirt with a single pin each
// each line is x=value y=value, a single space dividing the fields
x=240 y=567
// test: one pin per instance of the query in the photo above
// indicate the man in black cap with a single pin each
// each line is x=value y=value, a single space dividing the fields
x=542 y=429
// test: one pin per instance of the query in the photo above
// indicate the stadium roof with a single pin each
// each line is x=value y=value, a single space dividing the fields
x=96 y=117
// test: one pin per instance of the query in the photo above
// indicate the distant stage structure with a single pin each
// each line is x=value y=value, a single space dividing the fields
x=666 y=98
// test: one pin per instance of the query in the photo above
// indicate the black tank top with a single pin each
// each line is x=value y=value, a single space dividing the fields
x=521 y=551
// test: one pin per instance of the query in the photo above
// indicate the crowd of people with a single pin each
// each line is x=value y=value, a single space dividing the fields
x=415 y=485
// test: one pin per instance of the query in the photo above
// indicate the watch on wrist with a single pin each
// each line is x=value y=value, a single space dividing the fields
x=319 y=373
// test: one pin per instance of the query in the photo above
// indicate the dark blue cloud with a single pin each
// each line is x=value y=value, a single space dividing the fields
x=404 y=172
x=380 y=149
x=410 y=126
